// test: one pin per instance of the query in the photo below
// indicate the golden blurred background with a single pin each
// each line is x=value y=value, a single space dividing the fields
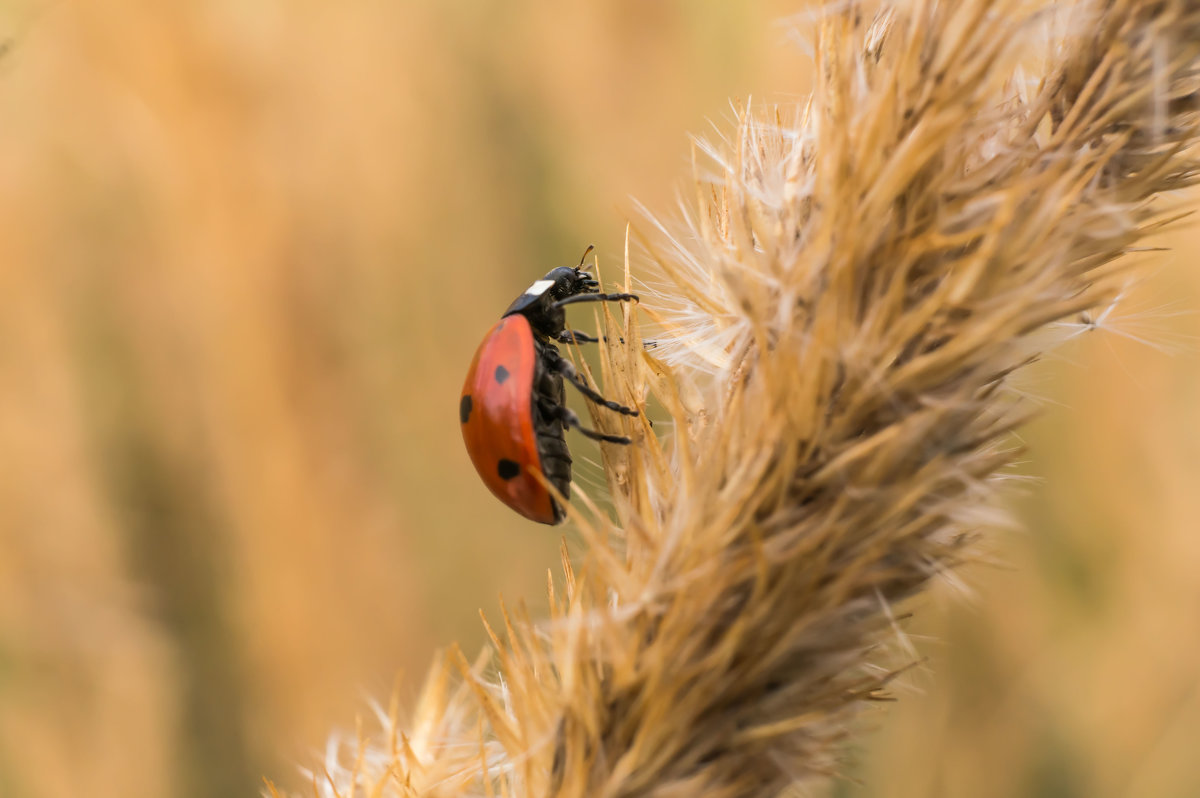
x=247 y=249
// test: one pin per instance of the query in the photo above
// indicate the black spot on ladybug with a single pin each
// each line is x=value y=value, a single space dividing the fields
x=501 y=374
x=507 y=469
x=464 y=408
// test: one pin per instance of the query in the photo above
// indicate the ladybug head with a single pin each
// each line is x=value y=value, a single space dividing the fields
x=568 y=281
x=538 y=303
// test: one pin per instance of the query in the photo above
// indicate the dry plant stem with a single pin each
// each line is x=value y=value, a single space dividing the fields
x=841 y=313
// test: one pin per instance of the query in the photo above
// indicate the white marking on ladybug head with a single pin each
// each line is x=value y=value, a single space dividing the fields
x=539 y=288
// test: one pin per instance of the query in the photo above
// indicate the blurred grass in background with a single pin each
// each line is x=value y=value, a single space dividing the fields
x=247 y=249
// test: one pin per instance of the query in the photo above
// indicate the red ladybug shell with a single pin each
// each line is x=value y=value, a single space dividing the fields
x=496 y=411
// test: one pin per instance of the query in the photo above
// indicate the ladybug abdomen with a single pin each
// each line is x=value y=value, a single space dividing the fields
x=501 y=421
x=549 y=396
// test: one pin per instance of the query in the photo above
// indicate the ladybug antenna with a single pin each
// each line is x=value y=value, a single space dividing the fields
x=581 y=260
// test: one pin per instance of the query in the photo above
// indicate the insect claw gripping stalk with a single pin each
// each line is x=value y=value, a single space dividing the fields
x=849 y=297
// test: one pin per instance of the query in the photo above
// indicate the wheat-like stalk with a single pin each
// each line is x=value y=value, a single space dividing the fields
x=840 y=312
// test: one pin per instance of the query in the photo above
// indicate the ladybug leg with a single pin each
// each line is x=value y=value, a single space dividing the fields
x=571 y=300
x=572 y=337
x=564 y=367
x=569 y=418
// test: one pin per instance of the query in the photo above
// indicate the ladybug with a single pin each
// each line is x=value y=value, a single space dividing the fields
x=513 y=406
